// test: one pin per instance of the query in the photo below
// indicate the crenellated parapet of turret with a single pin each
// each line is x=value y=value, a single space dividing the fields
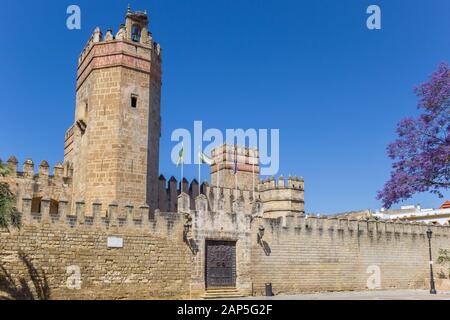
x=281 y=197
x=131 y=46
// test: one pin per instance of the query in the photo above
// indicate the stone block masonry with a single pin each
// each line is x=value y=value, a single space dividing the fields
x=78 y=264
x=163 y=255
x=320 y=254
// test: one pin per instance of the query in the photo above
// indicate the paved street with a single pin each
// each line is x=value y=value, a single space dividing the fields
x=363 y=295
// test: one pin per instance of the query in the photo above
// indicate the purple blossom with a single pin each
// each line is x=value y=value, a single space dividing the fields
x=421 y=152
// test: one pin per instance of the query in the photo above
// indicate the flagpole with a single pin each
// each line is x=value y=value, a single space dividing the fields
x=253 y=176
x=199 y=169
x=218 y=179
x=181 y=159
x=235 y=167
x=182 y=168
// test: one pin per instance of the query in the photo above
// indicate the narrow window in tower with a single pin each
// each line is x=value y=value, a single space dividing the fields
x=86 y=110
x=136 y=33
x=134 y=101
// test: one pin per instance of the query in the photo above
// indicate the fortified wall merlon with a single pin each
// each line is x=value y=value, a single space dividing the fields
x=28 y=169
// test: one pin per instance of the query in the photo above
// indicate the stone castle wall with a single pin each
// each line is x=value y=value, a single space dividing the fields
x=163 y=254
x=319 y=254
x=153 y=263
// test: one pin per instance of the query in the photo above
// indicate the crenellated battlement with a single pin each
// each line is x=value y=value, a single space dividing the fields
x=131 y=217
x=97 y=37
x=281 y=197
x=277 y=206
x=29 y=171
x=39 y=183
x=169 y=191
x=98 y=216
x=133 y=33
x=281 y=183
x=278 y=198
x=358 y=227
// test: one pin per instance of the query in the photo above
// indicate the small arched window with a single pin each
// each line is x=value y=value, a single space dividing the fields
x=134 y=101
x=136 y=33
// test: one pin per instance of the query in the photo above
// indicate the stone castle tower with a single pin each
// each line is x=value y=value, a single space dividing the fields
x=247 y=167
x=111 y=152
x=112 y=149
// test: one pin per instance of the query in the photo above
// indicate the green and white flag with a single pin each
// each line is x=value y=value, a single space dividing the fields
x=204 y=158
x=180 y=157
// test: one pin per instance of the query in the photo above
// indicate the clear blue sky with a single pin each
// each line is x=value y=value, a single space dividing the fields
x=310 y=68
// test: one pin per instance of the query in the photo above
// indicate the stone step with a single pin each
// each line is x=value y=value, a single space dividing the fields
x=222 y=293
x=222 y=296
x=220 y=289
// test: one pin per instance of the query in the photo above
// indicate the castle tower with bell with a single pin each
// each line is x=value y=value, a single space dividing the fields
x=112 y=149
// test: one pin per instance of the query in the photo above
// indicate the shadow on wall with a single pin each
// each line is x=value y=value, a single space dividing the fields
x=266 y=248
x=263 y=243
x=192 y=245
x=34 y=288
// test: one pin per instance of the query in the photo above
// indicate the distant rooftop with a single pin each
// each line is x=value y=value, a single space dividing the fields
x=445 y=205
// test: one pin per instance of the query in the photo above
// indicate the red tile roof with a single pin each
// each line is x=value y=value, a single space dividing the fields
x=445 y=205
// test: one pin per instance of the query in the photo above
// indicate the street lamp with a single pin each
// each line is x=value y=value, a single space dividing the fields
x=432 y=288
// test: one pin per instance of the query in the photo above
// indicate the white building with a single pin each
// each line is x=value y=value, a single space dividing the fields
x=417 y=214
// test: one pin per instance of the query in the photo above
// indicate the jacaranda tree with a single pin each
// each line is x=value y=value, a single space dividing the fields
x=421 y=152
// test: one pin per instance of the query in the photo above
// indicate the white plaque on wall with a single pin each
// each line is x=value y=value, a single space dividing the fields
x=115 y=242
